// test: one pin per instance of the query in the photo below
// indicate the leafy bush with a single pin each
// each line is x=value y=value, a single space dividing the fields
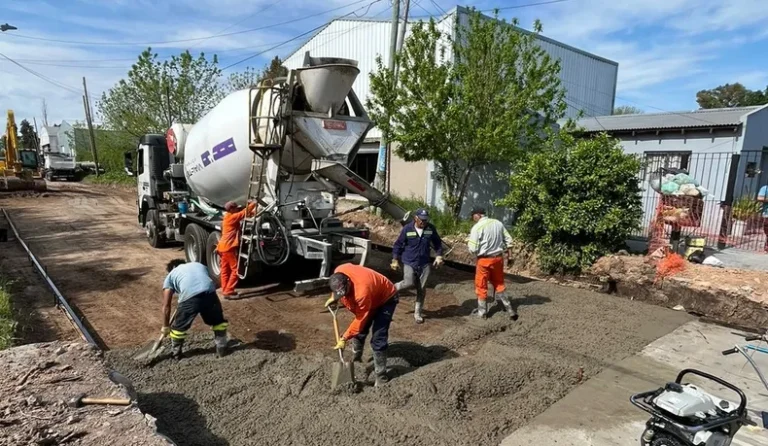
x=443 y=221
x=575 y=201
x=111 y=177
x=745 y=208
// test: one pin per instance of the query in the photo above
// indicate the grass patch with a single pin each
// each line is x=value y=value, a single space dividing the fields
x=7 y=324
x=443 y=221
x=111 y=178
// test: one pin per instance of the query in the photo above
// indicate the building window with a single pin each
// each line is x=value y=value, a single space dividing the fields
x=654 y=161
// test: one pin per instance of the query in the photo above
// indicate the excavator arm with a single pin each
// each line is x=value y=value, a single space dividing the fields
x=11 y=162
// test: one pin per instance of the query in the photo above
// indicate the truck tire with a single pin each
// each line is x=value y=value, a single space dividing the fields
x=155 y=235
x=195 y=238
x=212 y=257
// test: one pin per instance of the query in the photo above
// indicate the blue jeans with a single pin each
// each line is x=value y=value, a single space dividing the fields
x=380 y=322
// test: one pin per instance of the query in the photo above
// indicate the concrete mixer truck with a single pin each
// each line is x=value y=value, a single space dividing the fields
x=285 y=144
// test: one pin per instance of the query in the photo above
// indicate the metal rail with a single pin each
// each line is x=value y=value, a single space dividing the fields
x=60 y=300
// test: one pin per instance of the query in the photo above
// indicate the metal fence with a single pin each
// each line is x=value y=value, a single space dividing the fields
x=730 y=216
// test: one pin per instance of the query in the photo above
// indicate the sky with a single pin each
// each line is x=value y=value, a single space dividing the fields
x=667 y=50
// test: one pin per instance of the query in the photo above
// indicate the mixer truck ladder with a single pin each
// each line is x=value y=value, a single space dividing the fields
x=262 y=151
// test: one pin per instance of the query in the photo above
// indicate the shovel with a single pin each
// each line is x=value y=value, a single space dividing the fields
x=153 y=351
x=343 y=371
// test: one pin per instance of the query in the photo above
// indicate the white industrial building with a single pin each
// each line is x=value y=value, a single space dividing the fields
x=725 y=149
x=590 y=82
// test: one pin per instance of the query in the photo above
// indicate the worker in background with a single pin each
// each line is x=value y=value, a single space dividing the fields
x=488 y=240
x=229 y=246
x=413 y=248
x=762 y=197
x=197 y=295
x=372 y=298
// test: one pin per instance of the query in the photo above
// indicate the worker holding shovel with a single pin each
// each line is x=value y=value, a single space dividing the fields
x=372 y=298
x=413 y=248
x=197 y=295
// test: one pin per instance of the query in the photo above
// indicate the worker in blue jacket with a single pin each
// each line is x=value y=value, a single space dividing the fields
x=413 y=248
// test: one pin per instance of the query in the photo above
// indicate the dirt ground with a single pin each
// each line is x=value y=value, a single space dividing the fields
x=457 y=380
x=38 y=382
x=34 y=308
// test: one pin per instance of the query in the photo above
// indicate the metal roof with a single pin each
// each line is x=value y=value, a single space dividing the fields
x=718 y=117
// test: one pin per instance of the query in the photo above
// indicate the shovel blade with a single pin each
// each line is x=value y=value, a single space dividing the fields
x=342 y=373
x=150 y=352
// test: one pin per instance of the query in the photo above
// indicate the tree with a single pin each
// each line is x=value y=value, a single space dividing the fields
x=491 y=98
x=576 y=200
x=731 y=95
x=627 y=110
x=44 y=109
x=250 y=77
x=28 y=138
x=157 y=93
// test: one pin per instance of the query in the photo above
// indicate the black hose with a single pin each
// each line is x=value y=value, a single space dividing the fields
x=281 y=235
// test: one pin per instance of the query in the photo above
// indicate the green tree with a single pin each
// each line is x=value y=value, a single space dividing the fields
x=489 y=96
x=731 y=95
x=575 y=201
x=627 y=110
x=250 y=77
x=28 y=138
x=111 y=145
x=157 y=93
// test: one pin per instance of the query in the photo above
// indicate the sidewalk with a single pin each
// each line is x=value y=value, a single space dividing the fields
x=598 y=413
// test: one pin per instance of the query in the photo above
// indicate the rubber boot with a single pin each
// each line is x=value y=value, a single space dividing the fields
x=482 y=309
x=357 y=349
x=177 y=347
x=417 y=313
x=220 y=340
x=380 y=368
x=511 y=312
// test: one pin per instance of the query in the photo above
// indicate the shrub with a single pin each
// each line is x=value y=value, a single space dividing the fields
x=746 y=208
x=444 y=222
x=575 y=201
x=7 y=324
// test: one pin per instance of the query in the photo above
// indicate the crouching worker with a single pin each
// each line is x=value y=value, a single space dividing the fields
x=372 y=298
x=197 y=295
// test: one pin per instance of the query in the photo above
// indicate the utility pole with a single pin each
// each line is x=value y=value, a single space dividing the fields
x=400 y=42
x=37 y=137
x=382 y=168
x=87 y=105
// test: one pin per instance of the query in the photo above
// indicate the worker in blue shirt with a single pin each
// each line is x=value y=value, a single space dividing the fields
x=413 y=248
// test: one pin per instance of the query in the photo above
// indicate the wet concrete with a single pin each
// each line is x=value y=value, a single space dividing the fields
x=474 y=385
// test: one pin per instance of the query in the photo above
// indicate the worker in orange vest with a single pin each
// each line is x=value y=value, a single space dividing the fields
x=372 y=298
x=229 y=245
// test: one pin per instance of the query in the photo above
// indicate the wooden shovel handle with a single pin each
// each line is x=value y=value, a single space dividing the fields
x=109 y=401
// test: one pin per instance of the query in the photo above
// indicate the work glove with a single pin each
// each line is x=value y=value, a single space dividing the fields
x=331 y=301
x=165 y=331
x=395 y=265
x=340 y=344
x=438 y=262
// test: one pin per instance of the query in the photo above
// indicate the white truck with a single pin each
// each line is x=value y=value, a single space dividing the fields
x=285 y=144
x=59 y=165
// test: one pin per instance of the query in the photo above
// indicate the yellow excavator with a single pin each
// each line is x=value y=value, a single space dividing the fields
x=18 y=167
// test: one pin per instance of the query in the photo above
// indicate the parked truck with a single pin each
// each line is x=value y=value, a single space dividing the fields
x=59 y=165
x=285 y=144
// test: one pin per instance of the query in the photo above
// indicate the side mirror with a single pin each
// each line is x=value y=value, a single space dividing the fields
x=128 y=159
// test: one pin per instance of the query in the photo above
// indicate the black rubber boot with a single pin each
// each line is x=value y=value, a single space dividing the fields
x=177 y=348
x=220 y=339
x=482 y=309
x=511 y=312
x=380 y=368
x=357 y=349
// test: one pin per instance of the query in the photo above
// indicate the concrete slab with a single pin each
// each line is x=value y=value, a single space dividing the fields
x=598 y=413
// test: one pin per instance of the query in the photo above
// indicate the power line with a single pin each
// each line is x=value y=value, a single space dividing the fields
x=198 y=39
x=297 y=37
x=241 y=21
x=43 y=77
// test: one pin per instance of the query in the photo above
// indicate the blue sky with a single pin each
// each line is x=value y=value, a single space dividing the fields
x=667 y=49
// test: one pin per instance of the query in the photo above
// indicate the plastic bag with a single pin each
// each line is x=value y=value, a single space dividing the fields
x=703 y=191
x=713 y=261
x=682 y=178
x=669 y=188
x=689 y=190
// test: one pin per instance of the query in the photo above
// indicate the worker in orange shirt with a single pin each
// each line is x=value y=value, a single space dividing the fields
x=229 y=245
x=372 y=298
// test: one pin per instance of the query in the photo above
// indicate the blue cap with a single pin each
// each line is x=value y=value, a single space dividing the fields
x=422 y=214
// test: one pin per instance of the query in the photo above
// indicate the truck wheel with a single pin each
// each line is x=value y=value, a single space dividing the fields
x=212 y=257
x=155 y=235
x=194 y=243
